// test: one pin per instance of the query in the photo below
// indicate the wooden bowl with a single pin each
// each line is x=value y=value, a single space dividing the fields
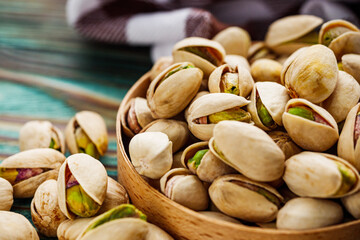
x=183 y=223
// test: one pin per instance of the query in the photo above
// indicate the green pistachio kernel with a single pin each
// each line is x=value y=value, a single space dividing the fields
x=340 y=66
x=92 y=151
x=9 y=174
x=176 y=70
x=236 y=113
x=195 y=161
x=348 y=179
x=269 y=196
x=230 y=83
x=80 y=203
x=302 y=112
x=84 y=144
x=264 y=115
x=333 y=33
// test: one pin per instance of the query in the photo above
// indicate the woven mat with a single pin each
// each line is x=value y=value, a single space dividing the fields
x=47 y=72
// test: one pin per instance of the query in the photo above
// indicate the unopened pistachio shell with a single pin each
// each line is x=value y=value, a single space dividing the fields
x=16 y=226
x=235 y=40
x=6 y=195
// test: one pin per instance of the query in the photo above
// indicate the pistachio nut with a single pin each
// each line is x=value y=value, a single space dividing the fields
x=284 y=142
x=307 y=124
x=204 y=53
x=172 y=90
x=41 y=134
x=266 y=70
x=28 y=169
x=199 y=94
x=225 y=80
x=6 y=195
x=235 y=40
x=71 y=229
x=248 y=149
x=351 y=65
x=259 y=50
x=219 y=216
x=345 y=96
x=151 y=154
x=267 y=104
x=16 y=226
x=308 y=213
x=82 y=137
x=115 y=195
x=333 y=29
x=310 y=174
x=234 y=60
x=136 y=116
x=206 y=111
x=352 y=204
x=346 y=43
x=288 y=34
x=299 y=78
x=81 y=185
x=45 y=212
x=160 y=64
x=181 y=186
x=177 y=131
x=240 y=197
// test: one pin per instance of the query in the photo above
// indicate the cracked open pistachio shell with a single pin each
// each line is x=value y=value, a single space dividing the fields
x=311 y=174
x=45 y=212
x=151 y=154
x=267 y=104
x=348 y=42
x=71 y=229
x=28 y=169
x=310 y=126
x=208 y=110
x=204 y=53
x=6 y=195
x=352 y=204
x=159 y=66
x=115 y=195
x=202 y=162
x=299 y=78
x=41 y=134
x=82 y=137
x=308 y=213
x=266 y=70
x=136 y=116
x=240 y=197
x=248 y=149
x=225 y=80
x=82 y=185
x=285 y=143
x=290 y=33
x=172 y=90
x=259 y=50
x=345 y=96
x=181 y=186
x=177 y=131
x=234 y=60
x=333 y=29
x=351 y=65
x=235 y=40
x=16 y=226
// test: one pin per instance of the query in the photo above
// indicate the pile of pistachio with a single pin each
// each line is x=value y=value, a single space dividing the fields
x=264 y=132
x=72 y=198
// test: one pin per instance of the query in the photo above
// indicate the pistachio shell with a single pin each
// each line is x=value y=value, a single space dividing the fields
x=308 y=213
x=310 y=134
x=242 y=202
x=351 y=65
x=219 y=216
x=239 y=145
x=332 y=25
x=266 y=70
x=38 y=134
x=151 y=154
x=16 y=226
x=6 y=195
x=156 y=233
x=234 y=60
x=208 y=104
x=71 y=229
x=45 y=158
x=160 y=65
x=235 y=40
x=345 y=96
x=348 y=42
x=259 y=50
x=285 y=143
x=166 y=98
x=310 y=174
x=45 y=211
x=352 y=204
x=87 y=120
x=115 y=195
x=177 y=160
x=89 y=173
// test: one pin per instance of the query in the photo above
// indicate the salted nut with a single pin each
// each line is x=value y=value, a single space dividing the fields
x=234 y=60
x=6 y=195
x=16 y=226
x=240 y=197
x=203 y=53
x=288 y=34
x=82 y=137
x=151 y=154
x=266 y=70
x=207 y=111
x=71 y=229
x=259 y=50
x=333 y=29
x=267 y=104
x=308 y=213
x=310 y=174
x=45 y=212
x=346 y=43
x=177 y=131
x=237 y=144
x=284 y=142
x=81 y=185
x=136 y=116
x=181 y=186
x=172 y=90
x=225 y=80
x=298 y=73
x=352 y=204
x=345 y=96
x=41 y=134
x=235 y=40
x=28 y=169
x=202 y=162
x=351 y=65
x=159 y=66
x=307 y=124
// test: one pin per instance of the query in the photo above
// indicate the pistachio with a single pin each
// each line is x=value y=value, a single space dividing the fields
x=79 y=202
x=6 y=195
x=194 y=162
x=84 y=143
x=351 y=65
x=352 y=204
x=346 y=43
x=234 y=60
x=333 y=29
x=16 y=226
x=285 y=143
x=160 y=64
x=235 y=40
x=266 y=70
x=71 y=229
x=259 y=50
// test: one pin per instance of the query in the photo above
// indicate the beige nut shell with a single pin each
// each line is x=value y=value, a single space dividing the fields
x=15 y=226
x=283 y=140
x=351 y=65
x=334 y=24
x=90 y=174
x=71 y=229
x=115 y=195
x=234 y=60
x=235 y=40
x=6 y=195
x=348 y=42
x=352 y=204
x=266 y=70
